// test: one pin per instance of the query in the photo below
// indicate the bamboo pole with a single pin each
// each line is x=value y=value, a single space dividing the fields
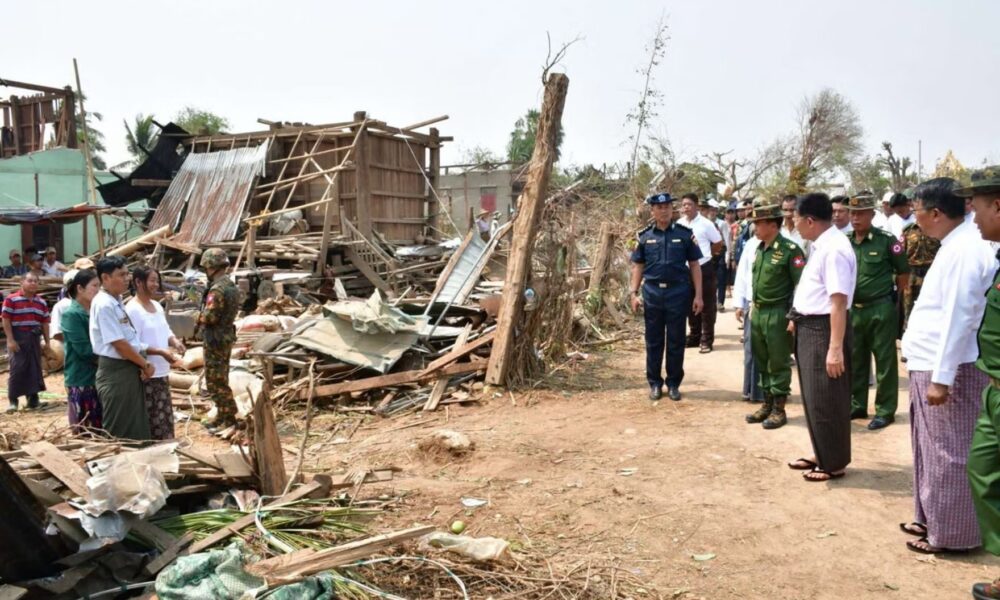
x=529 y=211
x=91 y=181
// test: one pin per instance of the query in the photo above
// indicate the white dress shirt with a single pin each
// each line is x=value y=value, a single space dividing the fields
x=897 y=224
x=153 y=331
x=831 y=269
x=705 y=233
x=743 y=284
x=941 y=331
x=55 y=327
x=109 y=322
x=880 y=221
x=846 y=229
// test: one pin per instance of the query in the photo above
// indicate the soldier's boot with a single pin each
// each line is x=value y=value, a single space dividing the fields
x=777 y=417
x=762 y=413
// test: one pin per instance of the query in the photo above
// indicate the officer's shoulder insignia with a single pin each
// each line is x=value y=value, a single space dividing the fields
x=798 y=262
x=897 y=247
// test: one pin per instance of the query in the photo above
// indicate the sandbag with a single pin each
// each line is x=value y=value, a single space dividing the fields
x=193 y=359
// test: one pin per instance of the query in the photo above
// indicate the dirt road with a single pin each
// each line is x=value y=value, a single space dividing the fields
x=593 y=471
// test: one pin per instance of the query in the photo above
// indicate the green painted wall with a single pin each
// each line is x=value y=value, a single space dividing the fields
x=61 y=182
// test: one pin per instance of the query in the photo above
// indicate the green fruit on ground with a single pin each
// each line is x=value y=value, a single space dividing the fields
x=457 y=527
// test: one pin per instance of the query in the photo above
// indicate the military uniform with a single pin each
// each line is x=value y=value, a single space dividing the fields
x=219 y=307
x=984 y=456
x=874 y=321
x=920 y=252
x=667 y=294
x=777 y=268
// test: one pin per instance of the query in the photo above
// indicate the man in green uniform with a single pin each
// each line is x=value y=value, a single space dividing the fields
x=984 y=456
x=219 y=307
x=777 y=266
x=875 y=323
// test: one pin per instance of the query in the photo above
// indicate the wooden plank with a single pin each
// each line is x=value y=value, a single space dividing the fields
x=234 y=465
x=362 y=178
x=442 y=383
x=372 y=383
x=529 y=212
x=150 y=182
x=12 y=592
x=320 y=486
x=459 y=352
x=159 y=538
x=61 y=466
x=267 y=448
x=168 y=555
x=366 y=269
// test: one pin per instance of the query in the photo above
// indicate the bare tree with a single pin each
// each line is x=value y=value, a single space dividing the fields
x=650 y=98
x=896 y=167
x=830 y=136
x=744 y=175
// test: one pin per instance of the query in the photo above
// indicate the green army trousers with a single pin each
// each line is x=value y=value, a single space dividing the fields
x=984 y=469
x=772 y=349
x=875 y=327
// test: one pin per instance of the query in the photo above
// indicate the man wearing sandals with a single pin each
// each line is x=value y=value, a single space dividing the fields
x=777 y=266
x=823 y=338
x=945 y=386
x=984 y=457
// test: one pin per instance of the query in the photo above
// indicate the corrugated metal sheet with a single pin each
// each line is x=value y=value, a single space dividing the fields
x=462 y=272
x=214 y=187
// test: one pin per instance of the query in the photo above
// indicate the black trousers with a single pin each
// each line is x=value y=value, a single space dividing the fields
x=702 y=325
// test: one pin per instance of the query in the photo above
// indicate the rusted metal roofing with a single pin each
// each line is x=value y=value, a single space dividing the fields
x=208 y=195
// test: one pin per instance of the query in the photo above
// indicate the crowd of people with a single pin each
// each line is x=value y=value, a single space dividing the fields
x=117 y=354
x=833 y=286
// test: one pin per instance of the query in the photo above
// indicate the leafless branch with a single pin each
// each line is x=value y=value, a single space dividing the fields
x=552 y=60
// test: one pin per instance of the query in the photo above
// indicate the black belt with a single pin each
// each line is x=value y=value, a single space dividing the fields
x=782 y=304
x=798 y=317
x=875 y=302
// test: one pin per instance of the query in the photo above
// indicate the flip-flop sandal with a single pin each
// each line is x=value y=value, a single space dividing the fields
x=912 y=545
x=914 y=528
x=829 y=476
x=802 y=464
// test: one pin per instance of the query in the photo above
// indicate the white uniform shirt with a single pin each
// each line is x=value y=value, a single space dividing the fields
x=56 y=269
x=831 y=269
x=705 y=234
x=109 y=322
x=880 y=221
x=55 y=328
x=743 y=284
x=941 y=331
x=898 y=223
x=846 y=229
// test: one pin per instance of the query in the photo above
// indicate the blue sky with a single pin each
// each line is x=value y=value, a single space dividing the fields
x=733 y=75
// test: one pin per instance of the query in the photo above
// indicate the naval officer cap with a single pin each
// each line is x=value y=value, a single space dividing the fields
x=661 y=198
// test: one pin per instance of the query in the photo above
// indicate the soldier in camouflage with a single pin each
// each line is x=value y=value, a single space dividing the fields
x=219 y=306
x=920 y=252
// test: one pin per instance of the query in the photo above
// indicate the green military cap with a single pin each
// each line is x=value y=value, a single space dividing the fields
x=862 y=201
x=984 y=181
x=766 y=209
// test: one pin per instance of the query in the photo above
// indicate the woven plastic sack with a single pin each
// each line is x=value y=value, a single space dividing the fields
x=320 y=587
x=211 y=575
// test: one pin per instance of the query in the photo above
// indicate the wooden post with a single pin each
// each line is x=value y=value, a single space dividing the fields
x=601 y=264
x=331 y=209
x=252 y=244
x=434 y=207
x=91 y=181
x=363 y=197
x=69 y=110
x=26 y=552
x=529 y=211
x=268 y=455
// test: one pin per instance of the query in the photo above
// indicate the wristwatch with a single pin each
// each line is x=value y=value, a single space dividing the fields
x=635 y=292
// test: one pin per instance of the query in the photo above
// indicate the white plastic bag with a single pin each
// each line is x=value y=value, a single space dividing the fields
x=481 y=549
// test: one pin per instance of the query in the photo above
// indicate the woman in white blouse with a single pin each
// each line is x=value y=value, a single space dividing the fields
x=150 y=322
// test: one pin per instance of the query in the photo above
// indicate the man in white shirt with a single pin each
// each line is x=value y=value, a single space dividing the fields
x=55 y=327
x=945 y=387
x=841 y=216
x=902 y=215
x=51 y=266
x=822 y=338
x=702 y=325
x=788 y=230
x=881 y=218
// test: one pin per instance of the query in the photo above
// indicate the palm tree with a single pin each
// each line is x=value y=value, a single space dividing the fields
x=141 y=136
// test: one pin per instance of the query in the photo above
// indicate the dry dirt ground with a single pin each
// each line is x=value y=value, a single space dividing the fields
x=587 y=469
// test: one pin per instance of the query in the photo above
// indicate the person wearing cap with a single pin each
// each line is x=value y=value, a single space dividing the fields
x=666 y=281
x=874 y=319
x=16 y=267
x=984 y=455
x=727 y=271
x=35 y=265
x=702 y=322
x=777 y=266
x=902 y=215
x=218 y=313
x=882 y=213
x=823 y=339
x=51 y=265
x=945 y=386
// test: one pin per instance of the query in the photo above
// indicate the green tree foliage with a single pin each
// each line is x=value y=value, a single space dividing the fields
x=867 y=173
x=481 y=155
x=201 y=122
x=96 y=139
x=522 y=139
x=698 y=178
x=142 y=134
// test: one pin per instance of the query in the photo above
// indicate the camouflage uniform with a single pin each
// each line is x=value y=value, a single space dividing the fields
x=920 y=252
x=219 y=307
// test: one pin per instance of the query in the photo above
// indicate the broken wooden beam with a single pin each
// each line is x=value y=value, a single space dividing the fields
x=458 y=352
x=61 y=466
x=374 y=383
x=529 y=211
x=269 y=460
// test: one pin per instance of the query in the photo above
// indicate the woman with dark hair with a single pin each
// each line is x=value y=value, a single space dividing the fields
x=151 y=324
x=85 y=410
